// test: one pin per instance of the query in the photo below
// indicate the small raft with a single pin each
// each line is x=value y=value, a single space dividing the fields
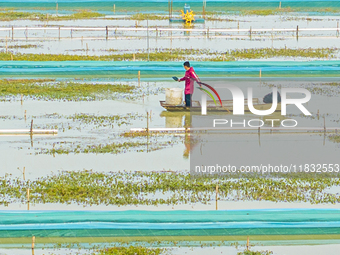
x=227 y=106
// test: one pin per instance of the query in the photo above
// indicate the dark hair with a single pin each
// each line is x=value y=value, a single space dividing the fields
x=186 y=63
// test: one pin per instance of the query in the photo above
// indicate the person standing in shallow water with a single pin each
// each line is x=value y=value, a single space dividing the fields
x=189 y=78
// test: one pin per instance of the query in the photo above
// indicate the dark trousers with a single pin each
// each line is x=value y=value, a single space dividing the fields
x=188 y=100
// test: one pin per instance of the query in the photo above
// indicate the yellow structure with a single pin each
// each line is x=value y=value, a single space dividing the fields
x=187 y=15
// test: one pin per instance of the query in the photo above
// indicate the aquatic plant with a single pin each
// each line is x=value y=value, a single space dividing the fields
x=70 y=91
x=249 y=252
x=140 y=188
x=146 y=16
x=19 y=15
x=177 y=54
x=131 y=250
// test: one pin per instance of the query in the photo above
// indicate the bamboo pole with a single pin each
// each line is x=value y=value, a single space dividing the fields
x=107 y=33
x=23 y=173
x=324 y=124
x=11 y=57
x=12 y=33
x=297 y=32
x=28 y=198
x=260 y=74
x=248 y=243
x=28 y=131
x=147 y=122
x=33 y=241
x=134 y=56
x=114 y=8
x=59 y=32
x=280 y=5
x=21 y=97
x=304 y=129
x=216 y=197
x=138 y=78
x=31 y=129
x=25 y=114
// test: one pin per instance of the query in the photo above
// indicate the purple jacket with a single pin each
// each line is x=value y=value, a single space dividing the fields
x=189 y=77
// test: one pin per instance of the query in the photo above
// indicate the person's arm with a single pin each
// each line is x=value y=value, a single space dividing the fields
x=184 y=78
x=194 y=76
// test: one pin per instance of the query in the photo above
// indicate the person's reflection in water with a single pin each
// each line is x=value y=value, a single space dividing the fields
x=187 y=123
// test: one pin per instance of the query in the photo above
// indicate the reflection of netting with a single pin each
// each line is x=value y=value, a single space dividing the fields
x=182 y=223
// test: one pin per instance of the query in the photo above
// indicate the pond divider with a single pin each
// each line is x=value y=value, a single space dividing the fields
x=30 y=131
x=269 y=129
x=205 y=31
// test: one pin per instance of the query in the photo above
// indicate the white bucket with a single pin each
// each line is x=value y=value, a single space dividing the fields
x=174 y=96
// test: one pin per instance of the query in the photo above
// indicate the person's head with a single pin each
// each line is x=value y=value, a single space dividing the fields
x=186 y=65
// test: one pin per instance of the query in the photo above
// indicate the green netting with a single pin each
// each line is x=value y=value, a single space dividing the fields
x=282 y=215
x=169 y=223
x=166 y=69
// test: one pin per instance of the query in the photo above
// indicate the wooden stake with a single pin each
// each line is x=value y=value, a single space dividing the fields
x=21 y=97
x=6 y=45
x=59 y=32
x=107 y=32
x=56 y=8
x=147 y=122
x=260 y=73
x=25 y=114
x=31 y=129
x=133 y=56
x=280 y=6
x=114 y=8
x=138 y=78
x=23 y=173
x=33 y=241
x=28 y=198
x=12 y=33
x=11 y=57
x=324 y=124
x=216 y=197
x=247 y=242
x=297 y=32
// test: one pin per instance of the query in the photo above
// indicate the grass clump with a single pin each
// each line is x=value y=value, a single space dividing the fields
x=131 y=250
x=146 y=16
x=25 y=46
x=266 y=12
x=334 y=138
x=165 y=54
x=140 y=188
x=17 y=15
x=70 y=91
x=249 y=252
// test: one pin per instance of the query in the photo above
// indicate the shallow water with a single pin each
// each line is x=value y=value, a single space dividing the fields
x=94 y=43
